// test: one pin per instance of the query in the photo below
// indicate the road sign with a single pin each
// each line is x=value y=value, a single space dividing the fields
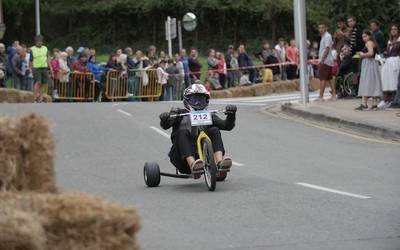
x=172 y=29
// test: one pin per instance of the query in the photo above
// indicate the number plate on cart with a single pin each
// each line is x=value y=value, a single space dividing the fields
x=201 y=118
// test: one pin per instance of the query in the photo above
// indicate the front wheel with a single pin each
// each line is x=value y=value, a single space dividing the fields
x=210 y=167
x=151 y=173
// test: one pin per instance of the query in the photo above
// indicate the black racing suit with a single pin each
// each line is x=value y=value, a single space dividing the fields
x=184 y=142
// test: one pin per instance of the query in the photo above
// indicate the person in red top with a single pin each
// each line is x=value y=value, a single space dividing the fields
x=221 y=69
x=80 y=66
x=292 y=54
x=55 y=64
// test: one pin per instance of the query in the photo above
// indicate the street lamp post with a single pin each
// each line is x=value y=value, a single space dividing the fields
x=37 y=8
x=301 y=37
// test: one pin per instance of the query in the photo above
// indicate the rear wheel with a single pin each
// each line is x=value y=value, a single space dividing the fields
x=210 y=167
x=151 y=173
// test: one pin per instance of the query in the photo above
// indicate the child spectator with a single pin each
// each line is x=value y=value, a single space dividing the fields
x=244 y=80
x=235 y=68
x=162 y=78
x=55 y=64
x=64 y=69
x=221 y=66
x=94 y=68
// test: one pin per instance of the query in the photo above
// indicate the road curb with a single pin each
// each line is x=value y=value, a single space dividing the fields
x=338 y=122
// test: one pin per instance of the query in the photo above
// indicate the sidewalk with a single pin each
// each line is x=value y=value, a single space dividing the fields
x=341 y=114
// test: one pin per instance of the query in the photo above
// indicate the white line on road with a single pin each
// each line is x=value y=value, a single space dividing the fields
x=159 y=131
x=124 y=112
x=238 y=164
x=115 y=104
x=166 y=135
x=333 y=190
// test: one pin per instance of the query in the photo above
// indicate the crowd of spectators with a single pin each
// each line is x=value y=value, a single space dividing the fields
x=373 y=63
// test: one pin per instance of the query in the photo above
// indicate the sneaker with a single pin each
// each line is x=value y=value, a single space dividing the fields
x=225 y=164
x=55 y=94
x=319 y=99
x=361 y=107
x=197 y=166
x=374 y=108
x=382 y=105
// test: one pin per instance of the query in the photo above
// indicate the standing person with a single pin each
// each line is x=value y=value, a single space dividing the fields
x=292 y=54
x=71 y=59
x=185 y=63
x=3 y=65
x=370 y=81
x=246 y=63
x=181 y=76
x=95 y=69
x=40 y=66
x=228 y=59
x=222 y=70
x=390 y=73
x=378 y=36
x=55 y=64
x=235 y=68
x=11 y=52
x=342 y=34
x=152 y=55
x=173 y=77
x=394 y=36
x=194 y=66
x=19 y=68
x=162 y=79
x=326 y=62
x=281 y=54
x=64 y=69
x=356 y=40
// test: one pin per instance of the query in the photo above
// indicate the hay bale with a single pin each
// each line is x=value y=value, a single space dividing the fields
x=27 y=146
x=242 y=91
x=79 y=221
x=15 y=96
x=284 y=86
x=262 y=89
x=314 y=84
x=216 y=94
x=47 y=98
x=21 y=230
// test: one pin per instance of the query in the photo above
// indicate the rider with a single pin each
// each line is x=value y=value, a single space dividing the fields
x=183 y=152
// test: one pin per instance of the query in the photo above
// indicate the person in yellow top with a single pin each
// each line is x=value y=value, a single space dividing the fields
x=40 y=67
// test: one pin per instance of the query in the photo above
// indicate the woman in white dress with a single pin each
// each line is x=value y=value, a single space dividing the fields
x=391 y=68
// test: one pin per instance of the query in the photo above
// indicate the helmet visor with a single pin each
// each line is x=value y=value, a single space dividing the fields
x=198 y=102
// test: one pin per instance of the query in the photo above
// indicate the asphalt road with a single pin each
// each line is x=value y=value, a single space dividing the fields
x=293 y=187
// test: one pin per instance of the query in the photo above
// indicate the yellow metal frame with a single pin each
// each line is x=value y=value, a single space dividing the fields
x=119 y=90
x=202 y=136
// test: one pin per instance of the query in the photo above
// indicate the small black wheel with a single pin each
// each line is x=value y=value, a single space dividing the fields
x=221 y=176
x=151 y=173
x=210 y=167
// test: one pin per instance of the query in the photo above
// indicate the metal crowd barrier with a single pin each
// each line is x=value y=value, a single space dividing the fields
x=144 y=84
x=116 y=85
x=81 y=87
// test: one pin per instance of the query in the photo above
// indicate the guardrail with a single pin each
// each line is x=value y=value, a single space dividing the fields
x=81 y=87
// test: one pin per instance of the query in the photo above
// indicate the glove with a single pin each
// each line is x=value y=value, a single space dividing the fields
x=164 y=116
x=230 y=110
x=171 y=118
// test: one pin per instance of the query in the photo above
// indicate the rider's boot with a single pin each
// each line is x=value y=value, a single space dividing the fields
x=225 y=164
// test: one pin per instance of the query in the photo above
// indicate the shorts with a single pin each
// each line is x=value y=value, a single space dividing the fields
x=41 y=75
x=325 y=72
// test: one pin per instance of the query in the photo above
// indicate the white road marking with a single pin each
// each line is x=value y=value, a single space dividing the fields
x=166 y=135
x=333 y=190
x=159 y=131
x=238 y=164
x=124 y=112
x=115 y=104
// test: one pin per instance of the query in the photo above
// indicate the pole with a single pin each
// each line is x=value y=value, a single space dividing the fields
x=301 y=37
x=37 y=5
x=169 y=37
x=180 y=35
x=1 y=12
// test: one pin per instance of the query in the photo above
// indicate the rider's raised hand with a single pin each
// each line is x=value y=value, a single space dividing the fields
x=230 y=109
x=164 y=116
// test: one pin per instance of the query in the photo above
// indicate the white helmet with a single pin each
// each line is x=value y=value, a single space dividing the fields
x=196 y=96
